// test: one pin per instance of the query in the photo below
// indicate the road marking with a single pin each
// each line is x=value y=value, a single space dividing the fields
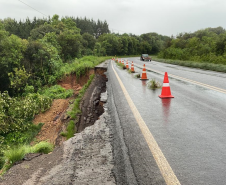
x=165 y=169
x=187 y=80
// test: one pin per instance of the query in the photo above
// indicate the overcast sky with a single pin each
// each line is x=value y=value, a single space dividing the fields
x=166 y=17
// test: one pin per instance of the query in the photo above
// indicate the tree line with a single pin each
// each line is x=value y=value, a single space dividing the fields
x=31 y=52
x=205 y=45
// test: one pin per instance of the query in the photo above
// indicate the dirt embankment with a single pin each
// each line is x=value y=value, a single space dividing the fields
x=85 y=158
x=55 y=119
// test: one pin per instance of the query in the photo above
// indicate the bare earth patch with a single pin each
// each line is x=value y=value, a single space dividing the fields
x=52 y=124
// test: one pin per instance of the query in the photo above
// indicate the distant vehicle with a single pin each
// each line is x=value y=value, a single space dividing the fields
x=145 y=57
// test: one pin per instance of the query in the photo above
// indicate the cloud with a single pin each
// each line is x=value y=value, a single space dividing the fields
x=132 y=16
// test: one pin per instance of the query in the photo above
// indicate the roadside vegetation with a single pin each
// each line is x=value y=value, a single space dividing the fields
x=17 y=153
x=193 y=64
x=204 y=49
x=122 y=66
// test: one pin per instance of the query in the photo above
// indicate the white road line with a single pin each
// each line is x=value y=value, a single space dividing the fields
x=165 y=169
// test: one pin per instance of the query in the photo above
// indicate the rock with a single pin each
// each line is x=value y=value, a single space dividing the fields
x=104 y=97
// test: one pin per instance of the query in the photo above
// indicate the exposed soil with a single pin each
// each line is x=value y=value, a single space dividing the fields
x=52 y=124
x=56 y=119
x=71 y=82
x=85 y=158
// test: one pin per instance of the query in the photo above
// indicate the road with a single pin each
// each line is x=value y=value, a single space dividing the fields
x=190 y=129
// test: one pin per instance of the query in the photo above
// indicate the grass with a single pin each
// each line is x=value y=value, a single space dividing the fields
x=17 y=153
x=42 y=147
x=153 y=84
x=80 y=66
x=70 y=130
x=56 y=92
x=122 y=66
x=193 y=64
x=137 y=75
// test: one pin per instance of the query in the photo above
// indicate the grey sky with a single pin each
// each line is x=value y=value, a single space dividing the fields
x=166 y=17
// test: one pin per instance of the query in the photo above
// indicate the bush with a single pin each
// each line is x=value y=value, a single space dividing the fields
x=16 y=112
x=25 y=137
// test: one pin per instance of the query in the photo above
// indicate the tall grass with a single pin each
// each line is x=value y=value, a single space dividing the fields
x=42 y=147
x=80 y=66
x=17 y=153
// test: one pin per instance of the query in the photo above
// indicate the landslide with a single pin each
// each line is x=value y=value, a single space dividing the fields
x=55 y=121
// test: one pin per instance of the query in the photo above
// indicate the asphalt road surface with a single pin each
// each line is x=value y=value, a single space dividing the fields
x=189 y=131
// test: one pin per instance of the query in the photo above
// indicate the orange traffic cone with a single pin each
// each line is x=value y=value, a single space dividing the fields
x=123 y=62
x=144 y=74
x=120 y=61
x=132 y=68
x=166 y=93
x=127 y=65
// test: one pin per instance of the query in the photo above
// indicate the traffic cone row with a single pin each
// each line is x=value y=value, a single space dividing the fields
x=166 y=92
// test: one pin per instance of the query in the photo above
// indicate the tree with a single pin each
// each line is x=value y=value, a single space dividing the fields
x=12 y=49
x=39 y=33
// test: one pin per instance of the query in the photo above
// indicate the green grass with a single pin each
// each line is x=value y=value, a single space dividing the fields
x=42 y=147
x=193 y=64
x=80 y=66
x=122 y=66
x=56 y=92
x=17 y=153
x=70 y=130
